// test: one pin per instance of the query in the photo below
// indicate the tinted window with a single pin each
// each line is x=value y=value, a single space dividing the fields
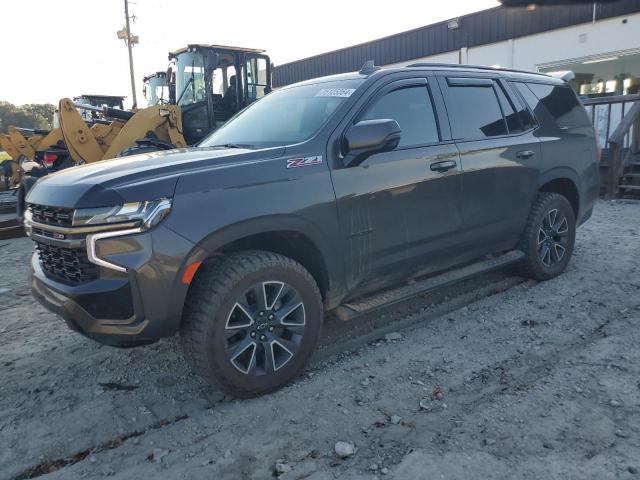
x=287 y=116
x=528 y=95
x=411 y=107
x=475 y=112
x=513 y=121
x=562 y=104
x=526 y=119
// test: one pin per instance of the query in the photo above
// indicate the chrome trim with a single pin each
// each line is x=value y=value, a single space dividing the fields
x=91 y=247
x=75 y=230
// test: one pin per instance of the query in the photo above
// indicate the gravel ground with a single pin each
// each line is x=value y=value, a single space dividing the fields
x=538 y=381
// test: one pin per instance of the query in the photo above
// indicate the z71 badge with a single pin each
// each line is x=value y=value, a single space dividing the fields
x=304 y=162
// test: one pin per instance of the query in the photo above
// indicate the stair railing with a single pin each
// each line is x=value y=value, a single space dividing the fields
x=624 y=142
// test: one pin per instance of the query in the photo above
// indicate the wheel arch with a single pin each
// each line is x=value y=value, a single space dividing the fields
x=565 y=182
x=293 y=237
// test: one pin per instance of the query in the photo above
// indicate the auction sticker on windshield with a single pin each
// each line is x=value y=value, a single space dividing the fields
x=335 y=92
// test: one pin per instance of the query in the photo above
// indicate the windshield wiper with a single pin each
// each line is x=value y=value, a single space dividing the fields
x=234 y=145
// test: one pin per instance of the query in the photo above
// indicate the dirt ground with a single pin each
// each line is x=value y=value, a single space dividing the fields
x=538 y=381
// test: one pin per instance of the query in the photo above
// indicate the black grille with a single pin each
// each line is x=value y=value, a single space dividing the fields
x=59 y=216
x=66 y=265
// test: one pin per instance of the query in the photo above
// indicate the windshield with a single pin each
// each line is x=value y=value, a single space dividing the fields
x=157 y=90
x=284 y=117
x=190 y=78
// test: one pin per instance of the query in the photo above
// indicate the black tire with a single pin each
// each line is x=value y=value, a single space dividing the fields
x=548 y=238
x=229 y=342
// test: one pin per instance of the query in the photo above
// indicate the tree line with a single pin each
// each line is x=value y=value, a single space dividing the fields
x=32 y=115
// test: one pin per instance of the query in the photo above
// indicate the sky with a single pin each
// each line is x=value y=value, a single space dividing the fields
x=57 y=49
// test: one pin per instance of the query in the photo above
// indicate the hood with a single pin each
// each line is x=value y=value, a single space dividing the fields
x=148 y=176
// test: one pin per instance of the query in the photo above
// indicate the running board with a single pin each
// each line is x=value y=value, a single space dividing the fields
x=350 y=310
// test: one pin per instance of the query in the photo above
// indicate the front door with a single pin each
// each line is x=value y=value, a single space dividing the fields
x=399 y=209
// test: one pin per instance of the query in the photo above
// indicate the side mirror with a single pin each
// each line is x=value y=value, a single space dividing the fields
x=368 y=137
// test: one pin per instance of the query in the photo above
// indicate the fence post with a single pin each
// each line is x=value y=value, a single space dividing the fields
x=612 y=170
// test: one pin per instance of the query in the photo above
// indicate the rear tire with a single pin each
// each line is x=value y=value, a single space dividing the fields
x=548 y=238
x=251 y=322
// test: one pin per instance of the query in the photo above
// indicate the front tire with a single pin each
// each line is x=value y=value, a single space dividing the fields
x=548 y=238
x=251 y=322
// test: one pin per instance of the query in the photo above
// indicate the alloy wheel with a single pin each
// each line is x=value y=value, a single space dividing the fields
x=264 y=328
x=553 y=236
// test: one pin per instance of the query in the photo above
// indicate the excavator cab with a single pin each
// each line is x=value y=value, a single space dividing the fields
x=99 y=101
x=214 y=82
x=155 y=89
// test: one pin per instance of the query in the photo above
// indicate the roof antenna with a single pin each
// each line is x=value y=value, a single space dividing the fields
x=368 y=68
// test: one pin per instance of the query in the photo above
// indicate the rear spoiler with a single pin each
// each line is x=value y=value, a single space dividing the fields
x=566 y=75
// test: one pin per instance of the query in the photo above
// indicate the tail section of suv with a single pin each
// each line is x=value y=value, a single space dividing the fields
x=318 y=195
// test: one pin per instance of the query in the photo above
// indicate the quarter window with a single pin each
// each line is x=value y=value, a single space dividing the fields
x=411 y=107
x=513 y=121
x=562 y=104
x=475 y=112
x=524 y=113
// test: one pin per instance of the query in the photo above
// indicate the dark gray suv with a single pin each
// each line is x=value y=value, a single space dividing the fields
x=315 y=199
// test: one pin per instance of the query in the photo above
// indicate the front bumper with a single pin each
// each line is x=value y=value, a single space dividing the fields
x=122 y=308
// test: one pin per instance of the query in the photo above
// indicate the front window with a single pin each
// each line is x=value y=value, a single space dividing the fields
x=190 y=85
x=156 y=91
x=284 y=117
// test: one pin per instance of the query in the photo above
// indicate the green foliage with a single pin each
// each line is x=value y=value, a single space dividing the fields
x=33 y=115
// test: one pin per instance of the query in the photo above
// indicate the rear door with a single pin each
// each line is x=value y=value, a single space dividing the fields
x=499 y=153
x=566 y=136
x=398 y=209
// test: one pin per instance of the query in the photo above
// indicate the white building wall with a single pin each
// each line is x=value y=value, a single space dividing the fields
x=588 y=40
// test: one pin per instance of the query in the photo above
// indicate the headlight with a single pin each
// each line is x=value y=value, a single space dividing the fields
x=149 y=213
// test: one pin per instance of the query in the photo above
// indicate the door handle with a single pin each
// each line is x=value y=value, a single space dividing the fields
x=443 y=166
x=524 y=154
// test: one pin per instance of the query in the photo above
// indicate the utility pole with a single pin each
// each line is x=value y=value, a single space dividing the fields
x=130 y=48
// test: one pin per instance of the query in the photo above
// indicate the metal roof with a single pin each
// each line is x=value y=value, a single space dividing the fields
x=111 y=97
x=480 y=28
x=153 y=75
x=216 y=47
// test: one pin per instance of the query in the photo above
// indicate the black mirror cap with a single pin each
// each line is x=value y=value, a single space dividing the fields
x=368 y=137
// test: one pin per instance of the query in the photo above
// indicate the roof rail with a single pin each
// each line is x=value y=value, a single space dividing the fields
x=479 y=67
x=368 y=68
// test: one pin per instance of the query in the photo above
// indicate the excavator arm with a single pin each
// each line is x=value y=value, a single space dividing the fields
x=101 y=142
x=25 y=146
x=8 y=146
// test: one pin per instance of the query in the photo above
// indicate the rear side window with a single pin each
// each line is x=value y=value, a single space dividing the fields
x=411 y=107
x=510 y=115
x=475 y=112
x=525 y=116
x=561 y=103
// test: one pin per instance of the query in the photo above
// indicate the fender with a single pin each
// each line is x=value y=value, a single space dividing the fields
x=561 y=172
x=331 y=256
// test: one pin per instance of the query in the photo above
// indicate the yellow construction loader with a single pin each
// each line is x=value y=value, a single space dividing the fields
x=207 y=85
